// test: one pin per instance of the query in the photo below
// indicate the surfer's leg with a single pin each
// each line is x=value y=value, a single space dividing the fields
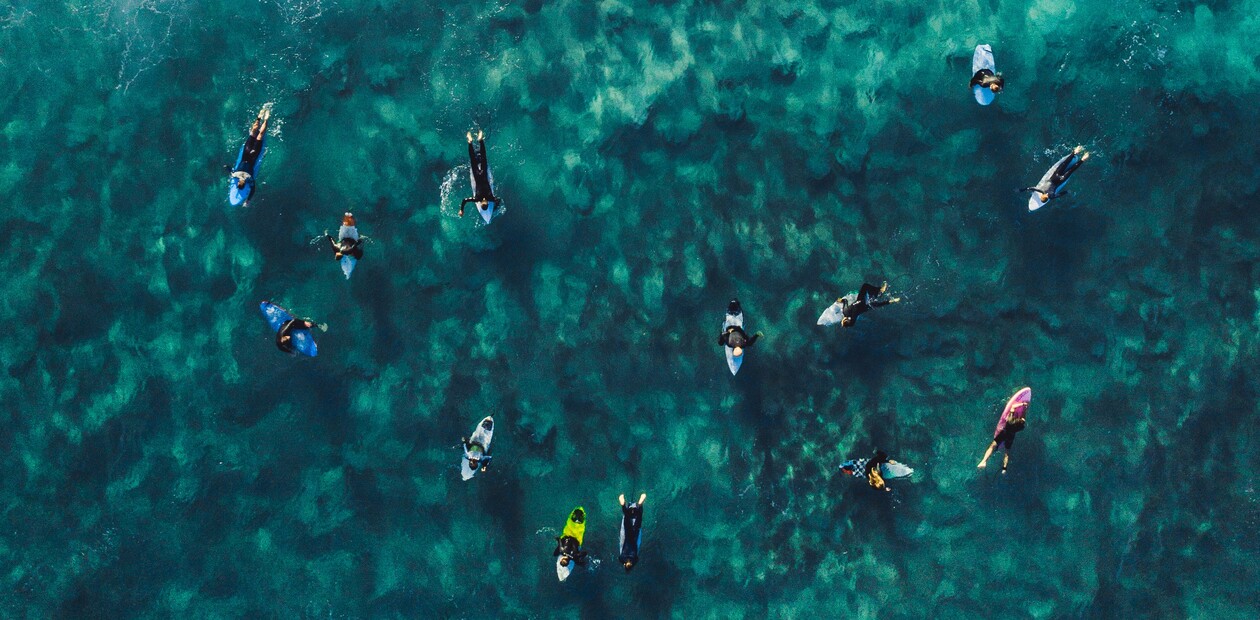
x=987 y=453
x=869 y=292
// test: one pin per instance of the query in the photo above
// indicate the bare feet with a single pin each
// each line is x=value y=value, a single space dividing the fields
x=642 y=498
x=1077 y=150
x=884 y=287
x=982 y=465
x=621 y=499
x=1085 y=156
x=469 y=134
x=894 y=300
x=481 y=135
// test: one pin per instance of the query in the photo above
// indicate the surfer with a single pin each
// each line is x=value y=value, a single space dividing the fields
x=243 y=174
x=346 y=246
x=483 y=194
x=867 y=297
x=873 y=476
x=986 y=78
x=631 y=525
x=567 y=545
x=1048 y=190
x=284 y=336
x=734 y=336
x=1015 y=422
x=476 y=454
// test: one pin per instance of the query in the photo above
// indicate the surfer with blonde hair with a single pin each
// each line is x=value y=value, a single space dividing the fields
x=1015 y=423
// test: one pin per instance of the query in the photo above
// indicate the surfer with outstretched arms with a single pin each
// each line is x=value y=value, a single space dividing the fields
x=986 y=78
x=734 y=336
x=243 y=174
x=476 y=454
x=1015 y=422
x=631 y=527
x=854 y=305
x=1049 y=189
x=284 y=336
x=483 y=194
x=346 y=246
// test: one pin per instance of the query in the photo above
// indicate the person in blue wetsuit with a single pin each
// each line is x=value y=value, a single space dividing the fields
x=483 y=194
x=854 y=304
x=243 y=174
x=1061 y=175
x=284 y=336
x=631 y=528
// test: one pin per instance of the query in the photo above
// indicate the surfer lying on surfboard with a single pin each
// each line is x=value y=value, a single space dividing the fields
x=853 y=305
x=734 y=336
x=483 y=194
x=985 y=78
x=631 y=530
x=243 y=174
x=284 y=336
x=346 y=246
x=1015 y=422
x=1048 y=189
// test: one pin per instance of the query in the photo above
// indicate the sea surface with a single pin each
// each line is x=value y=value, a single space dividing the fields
x=657 y=159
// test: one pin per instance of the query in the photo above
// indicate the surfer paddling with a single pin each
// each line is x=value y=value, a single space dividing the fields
x=847 y=309
x=483 y=194
x=985 y=78
x=476 y=454
x=734 y=336
x=243 y=174
x=346 y=246
x=631 y=530
x=284 y=336
x=1011 y=422
x=1052 y=184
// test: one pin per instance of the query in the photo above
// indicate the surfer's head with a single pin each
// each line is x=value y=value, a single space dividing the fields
x=628 y=565
x=1044 y=197
x=846 y=321
x=472 y=463
x=240 y=183
x=1017 y=423
x=482 y=204
x=737 y=351
x=564 y=561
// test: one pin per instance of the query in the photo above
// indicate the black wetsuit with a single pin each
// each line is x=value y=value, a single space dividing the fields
x=483 y=461
x=872 y=466
x=735 y=336
x=346 y=247
x=978 y=79
x=481 y=176
x=253 y=148
x=631 y=524
x=1005 y=438
x=568 y=546
x=854 y=304
x=287 y=329
x=1062 y=173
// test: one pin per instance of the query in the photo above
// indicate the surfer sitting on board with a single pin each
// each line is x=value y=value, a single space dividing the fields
x=867 y=297
x=873 y=476
x=1062 y=173
x=476 y=454
x=483 y=194
x=631 y=525
x=737 y=339
x=253 y=147
x=347 y=246
x=284 y=336
x=985 y=78
x=1015 y=423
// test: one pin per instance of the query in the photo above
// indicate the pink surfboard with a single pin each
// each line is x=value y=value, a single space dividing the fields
x=1024 y=395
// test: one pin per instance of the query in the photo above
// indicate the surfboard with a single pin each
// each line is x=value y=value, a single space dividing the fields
x=482 y=435
x=348 y=262
x=832 y=315
x=1024 y=395
x=890 y=470
x=303 y=342
x=737 y=320
x=1034 y=201
x=576 y=530
x=238 y=197
x=982 y=59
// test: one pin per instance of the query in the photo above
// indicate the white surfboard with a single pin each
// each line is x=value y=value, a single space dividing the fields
x=893 y=469
x=348 y=262
x=483 y=435
x=562 y=572
x=1034 y=201
x=982 y=59
x=832 y=315
x=732 y=361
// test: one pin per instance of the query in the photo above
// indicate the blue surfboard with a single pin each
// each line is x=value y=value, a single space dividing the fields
x=237 y=197
x=303 y=341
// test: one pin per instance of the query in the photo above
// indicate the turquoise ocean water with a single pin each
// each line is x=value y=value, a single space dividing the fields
x=657 y=158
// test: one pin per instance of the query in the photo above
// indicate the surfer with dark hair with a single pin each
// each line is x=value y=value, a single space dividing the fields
x=1015 y=422
x=854 y=305
x=631 y=528
x=284 y=336
x=483 y=194
x=476 y=454
x=1048 y=189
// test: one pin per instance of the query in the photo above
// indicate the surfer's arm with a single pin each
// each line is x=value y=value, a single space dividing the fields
x=722 y=338
x=464 y=202
x=753 y=340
